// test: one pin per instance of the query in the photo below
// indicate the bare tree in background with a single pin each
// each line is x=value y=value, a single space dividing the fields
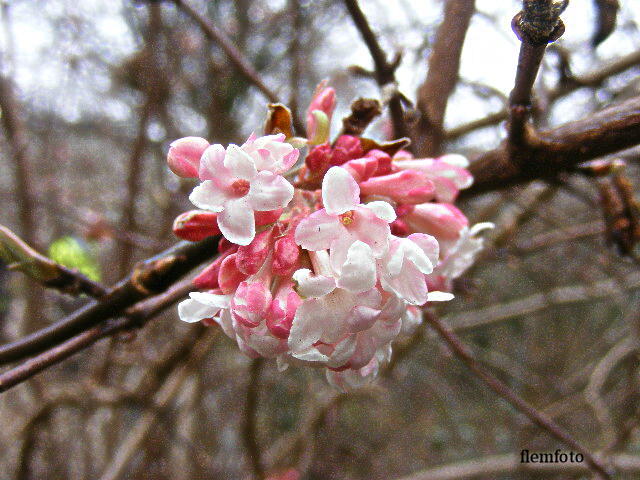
x=539 y=351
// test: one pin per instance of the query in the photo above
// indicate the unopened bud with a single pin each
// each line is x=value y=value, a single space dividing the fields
x=184 y=156
x=196 y=225
x=229 y=276
x=286 y=255
x=250 y=258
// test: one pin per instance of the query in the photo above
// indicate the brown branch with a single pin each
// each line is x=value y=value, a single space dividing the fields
x=385 y=71
x=590 y=80
x=550 y=152
x=442 y=76
x=45 y=271
x=500 y=388
x=17 y=139
x=249 y=432
x=136 y=317
x=536 y=25
x=148 y=278
x=216 y=35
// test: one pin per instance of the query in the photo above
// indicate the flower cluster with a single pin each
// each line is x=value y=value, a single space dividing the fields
x=327 y=273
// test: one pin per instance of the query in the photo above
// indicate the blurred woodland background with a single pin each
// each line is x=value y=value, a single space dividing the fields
x=92 y=93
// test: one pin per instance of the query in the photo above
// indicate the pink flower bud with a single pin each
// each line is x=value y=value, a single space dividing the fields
x=347 y=147
x=282 y=310
x=318 y=159
x=196 y=225
x=250 y=258
x=384 y=161
x=408 y=186
x=399 y=228
x=324 y=100
x=286 y=255
x=229 y=277
x=250 y=303
x=267 y=217
x=184 y=156
x=208 y=278
x=362 y=169
x=442 y=220
x=225 y=246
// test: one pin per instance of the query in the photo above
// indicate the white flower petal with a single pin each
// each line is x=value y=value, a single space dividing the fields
x=192 y=311
x=359 y=271
x=340 y=192
x=439 y=296
x=318 y=231
x=240 y=163
x=208 y=196
x=269 y=192
x=382 y=210
x=237 y=222
x=211 y=299
x=309 y=285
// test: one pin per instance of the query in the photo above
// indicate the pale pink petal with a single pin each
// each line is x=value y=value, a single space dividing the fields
x=428 y=244
x=343 y=351
x=310 y=285
x=307 y=325
x=237 y=222
x=410 y=285
x=269 y=192
x=240 y=163
x=318 y=231
x=211 y=299
x=340 y=192
x=414 y=253
x=382 y=210
x=212 y=164
x=192 y=311
x=208 y=196
x=370 y=229
x=358 y=272
x=362 y=318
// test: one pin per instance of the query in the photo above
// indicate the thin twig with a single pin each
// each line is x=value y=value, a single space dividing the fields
x=534 y=415
x=384 y=70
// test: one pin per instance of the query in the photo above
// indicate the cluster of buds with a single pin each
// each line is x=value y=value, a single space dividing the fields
x=327 y=262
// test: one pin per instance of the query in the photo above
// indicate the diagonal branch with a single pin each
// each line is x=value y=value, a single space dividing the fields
x=385 y=71
x=534 y=415
x=148 y=278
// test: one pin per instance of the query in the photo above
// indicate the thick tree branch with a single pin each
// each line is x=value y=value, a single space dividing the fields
x=148 y=278
x=500 y=388
x=550 y=152
x=385 y=71
x=444 y=64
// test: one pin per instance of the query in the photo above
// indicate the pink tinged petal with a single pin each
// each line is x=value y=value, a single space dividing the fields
x=250 y=258
x=362 y=318
x=361 y=168
x=240 y=163
x=310 y=354
x=439 y=297
x=340 y=192
x=414 y=253
x=286 y=255
x=410 y=284
x=269 y=192
x=444 y=221
x=455 y=159
x=382 y=210
x=184 y=155
x=393 y=261
x=212 y=165
x=237 y=222
x=428 y=244
x=318 y=231
x=196 y=225
x=370 y=229
x=209 y=196
x=383 y=161
x=342 y=352
x=310 y=285
x=226 y=323
x=229 y=277
x=358 y=273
